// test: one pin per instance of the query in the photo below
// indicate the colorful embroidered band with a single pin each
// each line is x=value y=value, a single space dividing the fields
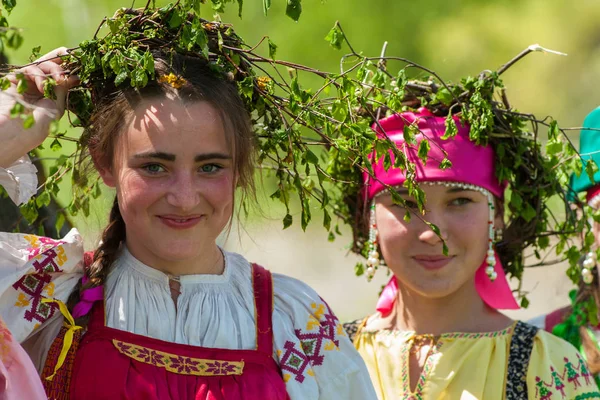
x=462 y=153
x=68 y=338
x=88 y=298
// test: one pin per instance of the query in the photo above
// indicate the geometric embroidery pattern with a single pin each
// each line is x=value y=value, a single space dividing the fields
x=294 y=361
x=321 y=334
x=179 y=364
x=33 y=285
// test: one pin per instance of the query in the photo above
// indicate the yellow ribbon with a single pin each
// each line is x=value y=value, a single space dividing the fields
x=68 y=339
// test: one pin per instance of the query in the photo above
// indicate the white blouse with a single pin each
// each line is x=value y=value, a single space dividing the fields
x=215 y=311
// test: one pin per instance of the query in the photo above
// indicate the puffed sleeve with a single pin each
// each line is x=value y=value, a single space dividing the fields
x=557 y=371
x=33 y=268
x=19 y=180
x=316 y=358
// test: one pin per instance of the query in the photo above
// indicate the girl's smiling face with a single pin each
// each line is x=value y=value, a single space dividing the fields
x=414 y=252
x=173 y=172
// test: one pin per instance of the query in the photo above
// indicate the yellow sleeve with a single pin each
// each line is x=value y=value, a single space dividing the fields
x=557 y=371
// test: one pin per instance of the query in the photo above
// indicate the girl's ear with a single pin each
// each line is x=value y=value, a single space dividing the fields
x=106 y=172
x=499 y=217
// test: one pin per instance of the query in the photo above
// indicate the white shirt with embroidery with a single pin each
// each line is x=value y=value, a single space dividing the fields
x=317 y=359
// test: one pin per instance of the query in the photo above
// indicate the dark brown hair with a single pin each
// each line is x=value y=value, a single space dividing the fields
x=114 y=108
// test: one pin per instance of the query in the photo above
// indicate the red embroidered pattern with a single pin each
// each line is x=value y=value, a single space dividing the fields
x=179 y=364
x=33 y=285
x=312 y=342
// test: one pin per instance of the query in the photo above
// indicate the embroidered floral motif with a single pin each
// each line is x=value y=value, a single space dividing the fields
x=34 y=285
x=179 y=364
x=322 y=332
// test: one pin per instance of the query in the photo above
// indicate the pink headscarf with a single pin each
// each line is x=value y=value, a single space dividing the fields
x=463 y=154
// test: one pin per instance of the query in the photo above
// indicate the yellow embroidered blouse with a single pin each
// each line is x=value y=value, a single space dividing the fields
x=473 y=366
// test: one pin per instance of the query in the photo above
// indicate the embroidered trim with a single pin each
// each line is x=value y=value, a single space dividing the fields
x=429 y=363
x=453 y=335
x=59 y=387
x=521 y=346
x=179 y=364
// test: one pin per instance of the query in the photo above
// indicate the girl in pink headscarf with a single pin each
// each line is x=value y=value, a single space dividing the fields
x=437 y=332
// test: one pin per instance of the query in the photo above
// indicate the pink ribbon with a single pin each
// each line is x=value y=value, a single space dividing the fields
x=88 y=298
x=497 y=294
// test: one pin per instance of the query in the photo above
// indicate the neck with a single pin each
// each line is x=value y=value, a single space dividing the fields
x=461 y=311
x=211 y=261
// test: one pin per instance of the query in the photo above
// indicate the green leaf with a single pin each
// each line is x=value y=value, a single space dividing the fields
x=516 y=200
x=22 y=85
x=16 y=110
x=148 y=63
x=444 y=96
x=28 y=122
x=4 y=84
x=359 y=269
x=9 y=5
x=272 y=49
x=55 y=146
x=49 y=85
x=29 y=211
x=293 y=9
x=554 y=147
x=311 y=157
x=14 y=39
x=176 y=20
x=591 y=168
x=287 y=221
x=446 y=163
x=409 y=133
x=451 y=128
x=326 y=220
x=60 y=222
x=528 y=213
x=423 y=150
x=43 y=199
x=266 y=6
x=524 y=302
x=335 y=37
x=121 y=77
x=35 y=53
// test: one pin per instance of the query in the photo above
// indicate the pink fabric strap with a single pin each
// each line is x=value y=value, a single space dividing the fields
x=88 y=298
x=497 y=294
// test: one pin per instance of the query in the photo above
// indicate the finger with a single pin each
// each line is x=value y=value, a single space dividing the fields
x=34 y=75
x=54 y=70
x=53 y=56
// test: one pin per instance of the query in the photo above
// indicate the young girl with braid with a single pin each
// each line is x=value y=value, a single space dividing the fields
x=158 y=310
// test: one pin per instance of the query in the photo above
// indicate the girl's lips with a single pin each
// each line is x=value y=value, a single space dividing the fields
x=432 y=263
x=178 y=222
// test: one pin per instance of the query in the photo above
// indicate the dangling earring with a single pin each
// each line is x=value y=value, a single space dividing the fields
x=589 y=263
x=491 y=254
x=373 y=255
